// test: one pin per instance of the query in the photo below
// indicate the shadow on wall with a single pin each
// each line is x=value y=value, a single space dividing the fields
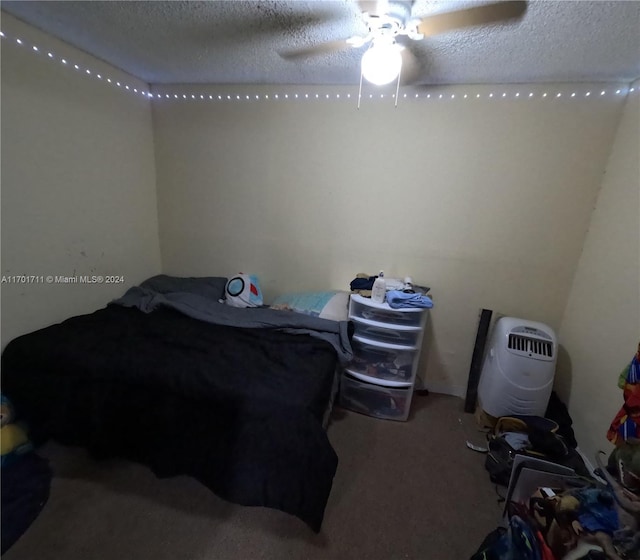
x=564 y=375
x=431 y=369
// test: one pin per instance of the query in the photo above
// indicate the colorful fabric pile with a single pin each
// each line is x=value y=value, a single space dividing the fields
x=626 y=424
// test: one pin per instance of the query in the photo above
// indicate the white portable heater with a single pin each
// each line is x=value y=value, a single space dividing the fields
x=518 y=369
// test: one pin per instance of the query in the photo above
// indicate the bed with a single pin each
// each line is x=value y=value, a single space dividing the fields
x=169 y=377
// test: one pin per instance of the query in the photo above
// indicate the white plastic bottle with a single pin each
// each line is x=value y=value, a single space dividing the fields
x=379 y=290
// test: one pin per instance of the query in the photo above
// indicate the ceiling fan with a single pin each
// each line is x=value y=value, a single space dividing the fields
x=389 y=20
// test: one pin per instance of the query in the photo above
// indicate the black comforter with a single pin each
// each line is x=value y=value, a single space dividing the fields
x=240 y=409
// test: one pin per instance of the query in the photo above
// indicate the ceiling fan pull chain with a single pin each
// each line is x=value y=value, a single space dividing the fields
x=360 y=88
x=398 y=86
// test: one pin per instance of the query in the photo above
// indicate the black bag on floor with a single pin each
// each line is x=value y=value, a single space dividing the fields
x=517 y=541
x=25 y=490
x=499 y=460
x=544 y=443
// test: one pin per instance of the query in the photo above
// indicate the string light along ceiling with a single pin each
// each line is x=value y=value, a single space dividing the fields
x=307 y=95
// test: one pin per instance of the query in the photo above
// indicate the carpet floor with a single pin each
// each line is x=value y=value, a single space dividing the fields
x=402 y=491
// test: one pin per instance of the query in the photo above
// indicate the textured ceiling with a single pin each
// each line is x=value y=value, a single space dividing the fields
x=236 y=42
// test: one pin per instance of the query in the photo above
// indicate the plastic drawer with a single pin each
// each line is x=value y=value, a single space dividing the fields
x=381 y=313
x=382 y=363
x=374 y=400
x=387 y=336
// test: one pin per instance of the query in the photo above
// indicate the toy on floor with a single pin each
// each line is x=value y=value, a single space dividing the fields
x=13 y=439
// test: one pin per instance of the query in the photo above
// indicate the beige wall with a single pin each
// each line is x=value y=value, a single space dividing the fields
x=78 y=181
x=485 y=200
x=601 y=325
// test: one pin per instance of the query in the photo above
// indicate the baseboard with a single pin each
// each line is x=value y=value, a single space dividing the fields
x=446 y=389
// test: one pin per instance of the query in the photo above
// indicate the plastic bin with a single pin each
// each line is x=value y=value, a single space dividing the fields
x=382 y=313
x=387 y=336
x=382 y=363
x=375 y=400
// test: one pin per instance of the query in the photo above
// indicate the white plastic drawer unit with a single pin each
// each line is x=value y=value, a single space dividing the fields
x=376 y=334
x=391 y=403
x=386 y=343
x=386 y=364
x=369 y=311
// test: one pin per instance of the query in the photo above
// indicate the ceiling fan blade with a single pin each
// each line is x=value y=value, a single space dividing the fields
x=488 y=13
x=322 y=48
x=374 y=7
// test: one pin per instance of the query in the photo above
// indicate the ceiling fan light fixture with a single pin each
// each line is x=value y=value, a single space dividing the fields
x=381 y=64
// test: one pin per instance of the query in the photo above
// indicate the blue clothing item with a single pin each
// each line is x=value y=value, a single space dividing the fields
x=597 y=510
x=517 y=440
x=634 y=371
x=628 y=429
x=402 y=300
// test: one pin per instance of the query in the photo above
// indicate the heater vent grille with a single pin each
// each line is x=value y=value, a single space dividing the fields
x=530 y=346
